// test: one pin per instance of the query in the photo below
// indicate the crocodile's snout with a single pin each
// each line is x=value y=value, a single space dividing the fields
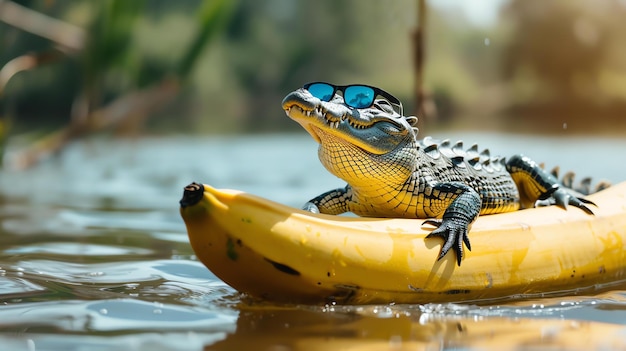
x=301 y=98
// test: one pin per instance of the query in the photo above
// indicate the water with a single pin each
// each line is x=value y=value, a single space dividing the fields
x=94 y=255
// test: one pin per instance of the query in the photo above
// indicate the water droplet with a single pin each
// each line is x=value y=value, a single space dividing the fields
x=487 y=41
x=424 y=318
x=564 y=125
x=104 y=311
x=157 y=311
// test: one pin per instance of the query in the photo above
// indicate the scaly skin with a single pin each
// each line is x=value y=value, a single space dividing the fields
x=390 y=173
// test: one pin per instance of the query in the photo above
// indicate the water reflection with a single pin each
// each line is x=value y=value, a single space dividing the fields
x=410 y=328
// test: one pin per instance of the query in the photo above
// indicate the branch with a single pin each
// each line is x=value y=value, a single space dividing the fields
x=133 y=105
x=24 y=63
x=67 y=36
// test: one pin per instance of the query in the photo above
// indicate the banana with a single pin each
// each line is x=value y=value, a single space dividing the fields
x=279 y=253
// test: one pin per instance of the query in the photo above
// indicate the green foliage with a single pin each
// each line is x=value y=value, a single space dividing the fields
x=213 y=16
x=109 y=36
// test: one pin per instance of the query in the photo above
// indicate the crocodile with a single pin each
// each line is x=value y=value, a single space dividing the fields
x=391 y=173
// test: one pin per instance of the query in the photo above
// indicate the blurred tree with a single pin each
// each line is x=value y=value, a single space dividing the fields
x=108 y=52
x=557 y=40
x=108 y=47
x=213 y=16
x=557 y=58
x=563 y=54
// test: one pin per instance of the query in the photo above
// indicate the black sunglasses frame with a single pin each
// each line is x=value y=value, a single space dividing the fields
x=377 y=92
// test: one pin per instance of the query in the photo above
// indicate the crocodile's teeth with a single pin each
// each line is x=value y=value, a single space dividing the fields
x=307 y=113
x=336 y=124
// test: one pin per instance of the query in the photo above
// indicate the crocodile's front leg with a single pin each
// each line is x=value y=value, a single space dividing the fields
x=457 y=218
x=534 y=184
x=331 y=202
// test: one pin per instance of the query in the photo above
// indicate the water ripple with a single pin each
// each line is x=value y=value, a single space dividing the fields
x=112 y=315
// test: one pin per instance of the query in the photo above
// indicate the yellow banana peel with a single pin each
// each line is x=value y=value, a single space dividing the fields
x=280 y=253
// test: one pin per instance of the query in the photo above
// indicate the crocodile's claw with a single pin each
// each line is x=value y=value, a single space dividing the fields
x=562 y=198
x=453 y=233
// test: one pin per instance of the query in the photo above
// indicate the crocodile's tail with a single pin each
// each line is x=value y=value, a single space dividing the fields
x=584 y=186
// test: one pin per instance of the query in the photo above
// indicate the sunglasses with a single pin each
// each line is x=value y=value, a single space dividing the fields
x=355 y=95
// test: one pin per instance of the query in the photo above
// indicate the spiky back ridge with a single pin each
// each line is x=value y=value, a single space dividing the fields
x=480 y=161
x=483 y=163
x=584 y=186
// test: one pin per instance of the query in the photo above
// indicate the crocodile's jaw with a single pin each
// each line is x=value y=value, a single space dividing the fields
x=370 y=129
x=362 y=169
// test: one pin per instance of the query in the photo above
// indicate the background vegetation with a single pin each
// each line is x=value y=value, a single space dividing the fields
x=220 y=66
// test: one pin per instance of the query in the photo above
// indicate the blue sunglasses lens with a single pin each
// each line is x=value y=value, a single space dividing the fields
x=321 y=91
x=359 y=96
